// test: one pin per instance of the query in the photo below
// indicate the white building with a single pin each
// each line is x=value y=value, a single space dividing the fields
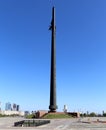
x=20 y=113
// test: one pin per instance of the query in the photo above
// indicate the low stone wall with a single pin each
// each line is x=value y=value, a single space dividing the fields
x=40 y=114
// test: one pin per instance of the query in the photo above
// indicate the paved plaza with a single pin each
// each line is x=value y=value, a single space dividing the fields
x=7 y=123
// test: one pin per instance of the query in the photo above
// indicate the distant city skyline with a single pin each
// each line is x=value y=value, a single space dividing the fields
x=11 y=107
x=80 y=54
x=8 y=106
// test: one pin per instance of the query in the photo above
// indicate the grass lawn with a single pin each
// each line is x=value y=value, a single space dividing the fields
x=56 y=116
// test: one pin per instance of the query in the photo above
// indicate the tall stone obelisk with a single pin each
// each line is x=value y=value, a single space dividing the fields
x=53 y=105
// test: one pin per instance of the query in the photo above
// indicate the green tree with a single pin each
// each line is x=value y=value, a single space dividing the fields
x=92 y=114
x=104 y=114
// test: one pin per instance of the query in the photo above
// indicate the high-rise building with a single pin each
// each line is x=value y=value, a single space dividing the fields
x=8 y=106
x=17 y=108
x=14 y=107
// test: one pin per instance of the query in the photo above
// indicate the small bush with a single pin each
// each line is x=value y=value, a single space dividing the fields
x=31 y=116
x=2 y=115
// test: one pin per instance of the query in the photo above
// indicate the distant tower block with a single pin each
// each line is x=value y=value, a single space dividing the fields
x=17 y=108
x=53 y=105
x=14 y=107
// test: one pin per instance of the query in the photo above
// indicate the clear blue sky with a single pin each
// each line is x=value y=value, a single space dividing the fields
x=80 y=53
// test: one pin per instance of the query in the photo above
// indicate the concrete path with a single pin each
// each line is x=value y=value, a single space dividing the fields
x=7 y=123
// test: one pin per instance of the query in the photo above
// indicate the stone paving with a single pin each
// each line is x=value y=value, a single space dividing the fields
x=7 y=123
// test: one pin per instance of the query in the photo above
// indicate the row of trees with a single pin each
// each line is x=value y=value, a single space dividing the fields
x=93 y=114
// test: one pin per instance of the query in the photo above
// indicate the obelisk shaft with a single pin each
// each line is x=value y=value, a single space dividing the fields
x=53 y=105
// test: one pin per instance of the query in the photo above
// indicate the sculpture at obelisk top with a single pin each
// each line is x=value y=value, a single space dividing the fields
x=52 y=27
